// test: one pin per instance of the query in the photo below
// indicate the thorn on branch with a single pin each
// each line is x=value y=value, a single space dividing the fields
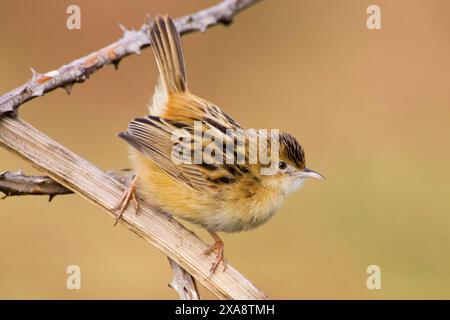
x=35 y=89
x=226 y=21
x=134 y=46
x=129 y=35
x=116 y=63
x=68 y=88
x=35 y=75
x=122 y=27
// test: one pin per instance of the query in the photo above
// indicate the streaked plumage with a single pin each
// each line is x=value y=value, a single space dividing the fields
x=219 y=197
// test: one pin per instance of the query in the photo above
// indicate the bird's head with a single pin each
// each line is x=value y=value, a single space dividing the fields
x=290 y=171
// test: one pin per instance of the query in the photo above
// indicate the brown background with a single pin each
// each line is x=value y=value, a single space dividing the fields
x=371 y=108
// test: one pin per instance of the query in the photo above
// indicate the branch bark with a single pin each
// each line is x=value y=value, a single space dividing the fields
x=97 y=187
x=19 y=184
x=132 y=42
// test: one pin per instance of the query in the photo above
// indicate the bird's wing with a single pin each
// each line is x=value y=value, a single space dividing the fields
x=151 y=136
x=184 y=154
x=175 y=110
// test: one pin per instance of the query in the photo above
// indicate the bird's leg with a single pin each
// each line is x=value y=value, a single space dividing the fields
x=129 y=194
x=219 y=246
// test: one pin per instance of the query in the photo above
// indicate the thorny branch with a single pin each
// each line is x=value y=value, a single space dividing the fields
x=19 y=184
x=132 y=42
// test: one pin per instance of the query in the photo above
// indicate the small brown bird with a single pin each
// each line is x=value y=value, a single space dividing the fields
x=219 y=196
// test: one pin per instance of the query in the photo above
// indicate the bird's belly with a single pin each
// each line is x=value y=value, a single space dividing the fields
x=211 y=210
x=237 y=219
x=230 y=214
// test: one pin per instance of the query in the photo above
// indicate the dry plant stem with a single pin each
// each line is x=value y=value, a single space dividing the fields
x=183 y=283
x=131 y=42
x=102 y=190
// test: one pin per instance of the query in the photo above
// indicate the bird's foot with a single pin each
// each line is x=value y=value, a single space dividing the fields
x=220 y=247
x=128 y=195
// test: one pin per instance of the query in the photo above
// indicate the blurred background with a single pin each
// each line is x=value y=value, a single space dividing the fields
x=370 y=107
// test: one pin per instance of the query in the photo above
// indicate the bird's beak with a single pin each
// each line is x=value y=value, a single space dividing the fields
x=308 y=173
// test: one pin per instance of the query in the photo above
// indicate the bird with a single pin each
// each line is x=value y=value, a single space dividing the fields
x=221 y=196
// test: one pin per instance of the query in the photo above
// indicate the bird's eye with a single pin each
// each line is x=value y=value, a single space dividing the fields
x=282 y=165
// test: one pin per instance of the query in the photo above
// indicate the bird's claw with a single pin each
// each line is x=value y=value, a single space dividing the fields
x=129 y=194
x=219 y=246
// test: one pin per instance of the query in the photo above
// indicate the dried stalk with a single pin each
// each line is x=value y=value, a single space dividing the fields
x=183 y=283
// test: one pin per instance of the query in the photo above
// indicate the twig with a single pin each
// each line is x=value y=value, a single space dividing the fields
x=19 y=184
x=183 y=283
x=131 y=42
x=103 y=191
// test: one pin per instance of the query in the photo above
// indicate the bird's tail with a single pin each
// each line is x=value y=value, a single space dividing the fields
x=166 y=45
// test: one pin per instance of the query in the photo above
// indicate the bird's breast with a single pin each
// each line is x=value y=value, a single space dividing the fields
x=235 y=208
x=239 y=213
